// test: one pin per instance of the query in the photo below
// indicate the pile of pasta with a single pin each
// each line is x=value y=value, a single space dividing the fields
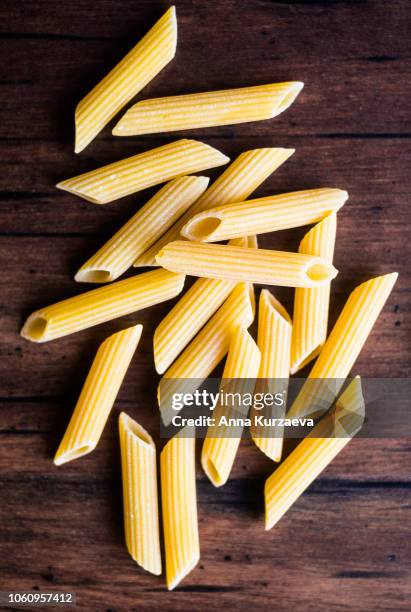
x=175 y=232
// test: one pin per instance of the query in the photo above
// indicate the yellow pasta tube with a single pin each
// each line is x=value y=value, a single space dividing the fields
x=208 y=109
x=188 y=316
x=207 y=349
x=343 y=345
x=223 y=438
x=102 y=304
x=235 y=184
x=274 y=342
x=98 y=395
x=118 y=254
x=140 y=500
x=264 y=215
x=144 y=170
x=310 y=318
x=135 y=70
x=309 y=459
x=179 y=502
x=244 y=264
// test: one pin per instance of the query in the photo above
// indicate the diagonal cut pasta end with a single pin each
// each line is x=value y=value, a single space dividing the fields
x=271 y=447
x=35 y=328
x=81 y=139
x=320 y=272
x=170 y=15
x=135 y=430
x=67 y=186
x=290 y=94
x=175 y=579
x=62 y=457
x=305 y=359
x=211 y=471
x=274 y=305
x=202 y=227
x=94 y=275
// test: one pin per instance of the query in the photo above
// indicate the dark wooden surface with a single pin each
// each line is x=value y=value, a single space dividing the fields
x=345 y=543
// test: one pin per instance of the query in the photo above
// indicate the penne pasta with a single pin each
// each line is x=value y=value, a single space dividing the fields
x=164 y=208
x=179 y=502
x=102 y=304
x=98 y=395
x=311 y=457
x=244 y=264
x=207 y=349
x=144 y=170
x=188 y=316
x=154 y=51
x=235 y=184
x=263 y=215
x=213 y=108
x=140 y=500
x=343 y=346
x=274 y=342
x=310 y=318
x=222 y=440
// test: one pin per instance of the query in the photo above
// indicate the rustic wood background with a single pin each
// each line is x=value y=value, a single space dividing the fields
x=343 y=546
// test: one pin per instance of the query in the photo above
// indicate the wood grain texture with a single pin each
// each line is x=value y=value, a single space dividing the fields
x=343 y=546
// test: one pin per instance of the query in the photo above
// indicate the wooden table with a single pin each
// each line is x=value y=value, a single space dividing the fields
x=343 y=546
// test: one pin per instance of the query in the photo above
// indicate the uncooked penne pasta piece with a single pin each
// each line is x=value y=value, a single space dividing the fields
x=144 y=170
x=188 y=316
x=311 y=457
x=235 y=184
x=263 y=215
x=244 y=264
x=140 y=500
x=222 y=439
x=343 y=346
x=135 y=70
x=102 y=304
x=225 y=107
x=310 y=317
x=179 y=502
x=118 y=254
x=274 y=342
x=207 y=349
x=98 y=395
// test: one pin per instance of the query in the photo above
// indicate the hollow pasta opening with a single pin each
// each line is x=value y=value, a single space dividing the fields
x=289 y=97
x=203 y=228
x=138 y=431
x=319 y=272
x=93 y=276
x=74 y=453
x=212 y=472
x=36 y=328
